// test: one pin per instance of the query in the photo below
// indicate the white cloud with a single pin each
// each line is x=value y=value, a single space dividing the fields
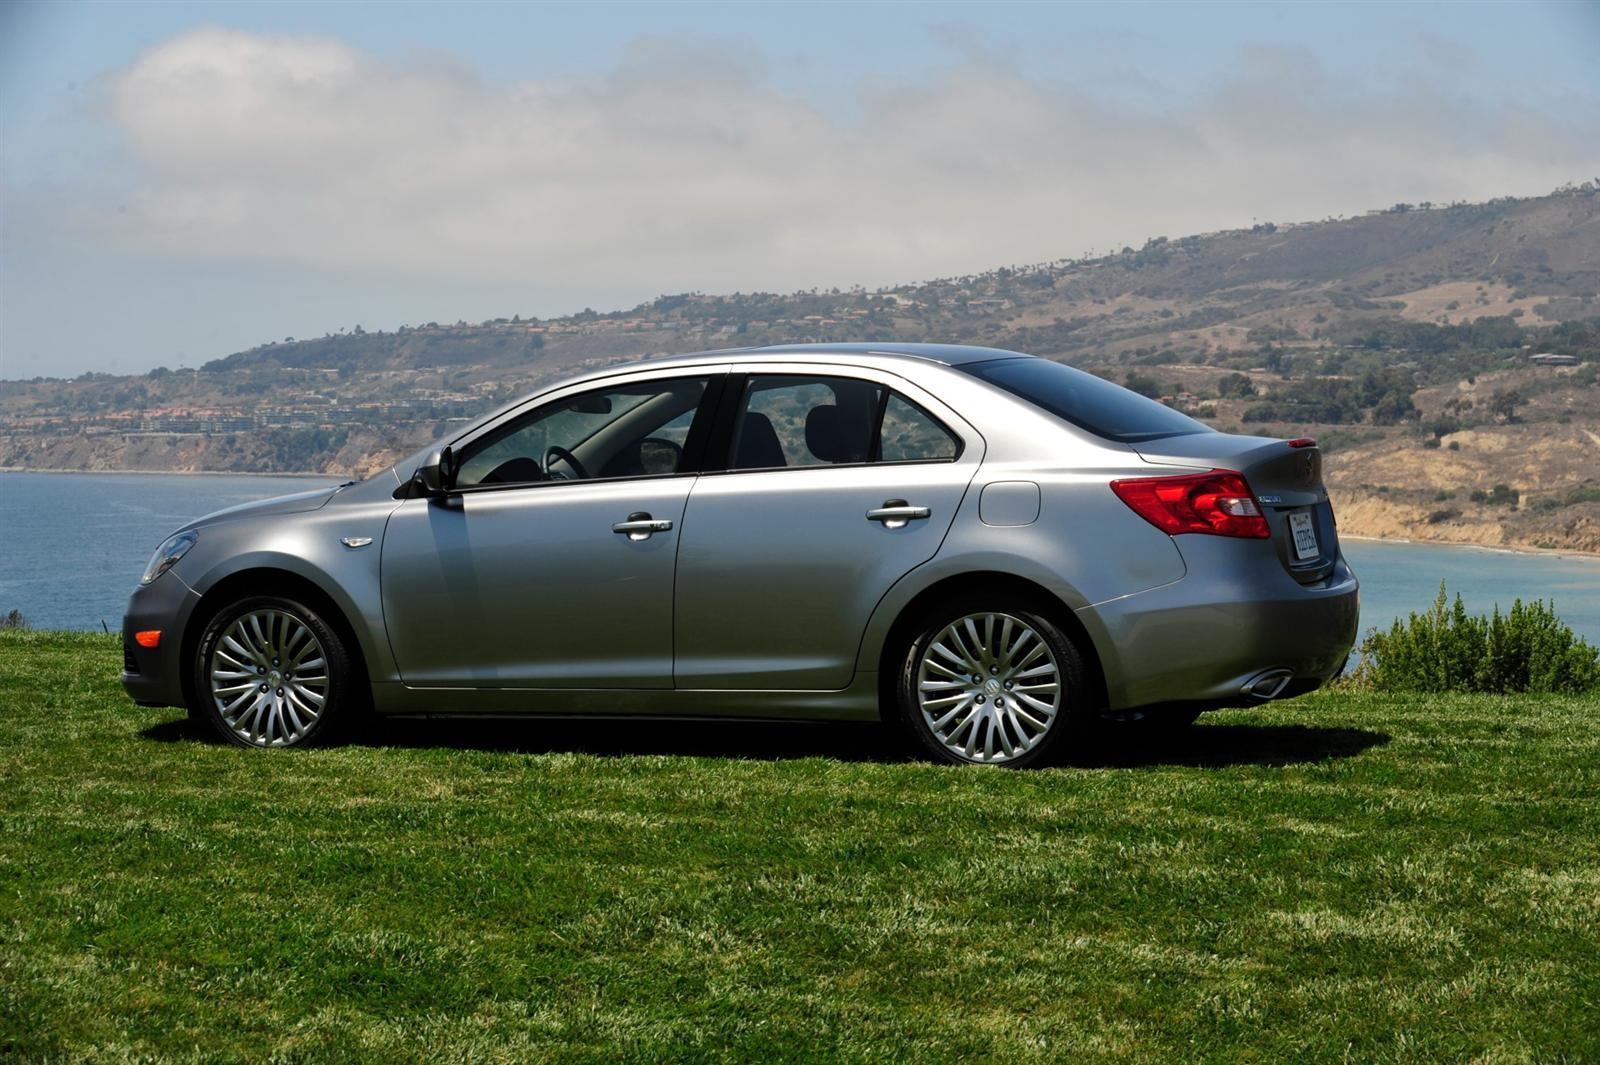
x=685 y=167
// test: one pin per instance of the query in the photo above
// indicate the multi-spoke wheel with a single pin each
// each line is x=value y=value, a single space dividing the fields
x=991 y=684
x=270 y=673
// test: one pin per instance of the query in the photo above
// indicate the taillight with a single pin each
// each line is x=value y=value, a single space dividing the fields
x=1218 y=502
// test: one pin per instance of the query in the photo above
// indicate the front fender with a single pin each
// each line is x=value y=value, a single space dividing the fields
x=309 y=545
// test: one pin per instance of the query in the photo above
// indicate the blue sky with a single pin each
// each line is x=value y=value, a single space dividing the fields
x=178 y=181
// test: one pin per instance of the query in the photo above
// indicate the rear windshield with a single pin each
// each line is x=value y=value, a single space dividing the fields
x=1104 y=409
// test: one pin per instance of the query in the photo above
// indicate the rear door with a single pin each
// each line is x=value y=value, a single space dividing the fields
x=838 y=482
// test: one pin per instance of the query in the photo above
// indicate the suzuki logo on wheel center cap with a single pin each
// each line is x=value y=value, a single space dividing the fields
x=991 y=686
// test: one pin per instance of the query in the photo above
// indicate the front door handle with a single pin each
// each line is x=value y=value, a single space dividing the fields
x=896 y=513
x=641 y=526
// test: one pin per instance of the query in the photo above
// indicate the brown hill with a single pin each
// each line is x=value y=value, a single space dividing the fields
x=1388 y=335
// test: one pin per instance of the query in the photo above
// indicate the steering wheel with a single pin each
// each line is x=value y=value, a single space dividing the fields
x=556 y=451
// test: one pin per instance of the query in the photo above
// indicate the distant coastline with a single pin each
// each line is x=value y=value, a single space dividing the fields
x=1503 y=549
x=183 y=473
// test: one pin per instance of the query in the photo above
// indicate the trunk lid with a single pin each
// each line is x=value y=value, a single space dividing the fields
x=1287 y=482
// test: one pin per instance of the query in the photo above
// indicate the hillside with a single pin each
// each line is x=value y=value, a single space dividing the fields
x=1400 y=338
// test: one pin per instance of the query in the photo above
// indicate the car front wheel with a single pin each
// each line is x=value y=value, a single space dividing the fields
x=991 y=684
x=271 y=672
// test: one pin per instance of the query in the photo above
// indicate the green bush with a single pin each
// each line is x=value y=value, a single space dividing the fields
x=1528 y=649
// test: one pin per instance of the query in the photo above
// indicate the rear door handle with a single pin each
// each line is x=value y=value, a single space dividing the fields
x=896 y=513
x=641 y=526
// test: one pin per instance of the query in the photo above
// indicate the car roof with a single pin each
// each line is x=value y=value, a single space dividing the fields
x=944 y=354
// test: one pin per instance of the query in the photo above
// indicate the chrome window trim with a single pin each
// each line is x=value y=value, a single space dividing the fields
x=832 y=466
x=479 y=489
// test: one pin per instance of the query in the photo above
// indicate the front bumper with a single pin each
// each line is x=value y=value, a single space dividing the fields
x=153 y=676
x=1203 y=639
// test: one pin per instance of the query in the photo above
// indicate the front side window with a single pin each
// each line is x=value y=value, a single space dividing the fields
x=798 y=421
x=632 y=430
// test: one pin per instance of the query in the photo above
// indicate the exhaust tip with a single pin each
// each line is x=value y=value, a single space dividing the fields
x=1268 y=685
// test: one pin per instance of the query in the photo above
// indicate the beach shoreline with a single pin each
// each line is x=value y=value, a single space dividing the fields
x=180 y=473
x=1503 y=549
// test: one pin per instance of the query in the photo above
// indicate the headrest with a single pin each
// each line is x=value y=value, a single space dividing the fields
x=832 y=438
x=759 y=448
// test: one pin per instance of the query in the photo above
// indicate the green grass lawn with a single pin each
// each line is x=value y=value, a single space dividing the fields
x=1342 y=876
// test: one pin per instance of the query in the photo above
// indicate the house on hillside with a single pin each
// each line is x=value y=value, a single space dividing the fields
x=1546 y=358
x=989 y=305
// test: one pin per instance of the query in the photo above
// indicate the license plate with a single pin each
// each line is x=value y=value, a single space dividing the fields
x=1305 y=535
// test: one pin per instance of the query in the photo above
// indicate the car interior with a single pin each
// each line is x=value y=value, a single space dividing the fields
x=640 y=430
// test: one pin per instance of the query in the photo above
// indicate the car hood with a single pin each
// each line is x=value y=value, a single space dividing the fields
x=289 y=504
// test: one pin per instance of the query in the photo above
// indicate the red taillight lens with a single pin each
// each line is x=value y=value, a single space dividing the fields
x=1218 y=502
x=1303 y=441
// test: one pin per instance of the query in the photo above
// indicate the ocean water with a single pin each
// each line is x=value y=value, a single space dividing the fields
x=76 y=543
x=72 y=547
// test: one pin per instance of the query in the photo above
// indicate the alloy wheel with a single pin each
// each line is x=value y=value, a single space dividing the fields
x=269 y=678
x=989 y=687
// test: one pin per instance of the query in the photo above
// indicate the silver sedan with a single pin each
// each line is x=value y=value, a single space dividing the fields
x=996 y=552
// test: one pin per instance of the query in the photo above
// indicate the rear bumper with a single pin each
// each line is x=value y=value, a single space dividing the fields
x=1202 y=640
x=153 y=676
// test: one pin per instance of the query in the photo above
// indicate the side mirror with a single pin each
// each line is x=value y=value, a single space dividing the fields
x=437 y=476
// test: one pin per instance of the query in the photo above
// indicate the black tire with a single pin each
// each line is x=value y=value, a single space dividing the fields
x=1009 y=726
x=286 y=701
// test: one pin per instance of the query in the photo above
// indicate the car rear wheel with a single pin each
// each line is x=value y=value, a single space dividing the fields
x=990 y=683
x=271 y=672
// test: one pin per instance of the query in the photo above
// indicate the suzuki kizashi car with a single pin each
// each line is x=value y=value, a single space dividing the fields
x=992 y=550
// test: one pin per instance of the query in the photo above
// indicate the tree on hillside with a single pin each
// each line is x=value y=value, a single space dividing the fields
x=1235 y=386
x=1143 y=384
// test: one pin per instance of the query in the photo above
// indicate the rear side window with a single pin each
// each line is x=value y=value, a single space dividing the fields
x=907 y=433
x=1104 y=409
x=793 y=421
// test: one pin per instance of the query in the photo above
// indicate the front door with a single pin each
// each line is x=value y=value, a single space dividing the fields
x=836 y=487
x=551 y=565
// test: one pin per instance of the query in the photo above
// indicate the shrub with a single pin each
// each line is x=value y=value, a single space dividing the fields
x=1235 y=384
x=1528 y=649
x=13 y=620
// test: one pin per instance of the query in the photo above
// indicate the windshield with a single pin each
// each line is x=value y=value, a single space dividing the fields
x=1104 y=409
